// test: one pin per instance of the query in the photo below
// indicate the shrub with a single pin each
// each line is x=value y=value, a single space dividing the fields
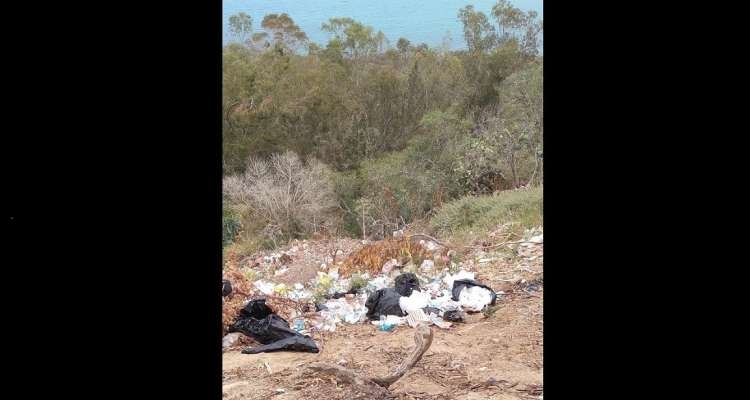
x=231 y=226
x=481 y=213
x=289 y=198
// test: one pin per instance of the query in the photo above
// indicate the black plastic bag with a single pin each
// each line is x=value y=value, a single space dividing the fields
x=383 y=302
x=459 y=284
x=341 y=294
x=274 y=333
x=256 y=309
x=226 y=288
x=405 y=283
x=453 y=316
x=296 y=343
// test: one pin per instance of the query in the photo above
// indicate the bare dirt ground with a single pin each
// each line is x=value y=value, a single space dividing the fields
x=493 y=355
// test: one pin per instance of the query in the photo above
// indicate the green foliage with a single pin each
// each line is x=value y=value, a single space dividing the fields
x=489 y=311
x=403 y=129
x=354 y=38
x=481 y=213
x=231 y=225
x=358 y=282
x=240 y=25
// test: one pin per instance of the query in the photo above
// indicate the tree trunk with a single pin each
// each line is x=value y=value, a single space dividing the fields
x=513 y=169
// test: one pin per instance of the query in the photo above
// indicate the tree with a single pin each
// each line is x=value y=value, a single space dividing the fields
x=480 y=35
x=511 y=131
x=241 y=26
x=281 y=33
x=516 y=25
x=403 y=45
x=353 y=37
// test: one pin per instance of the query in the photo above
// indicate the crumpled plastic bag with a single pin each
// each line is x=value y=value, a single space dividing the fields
x=459 y=284
x=383 y=302
x=294 y=343
x=445 y=302
x=258 y=321
x=416 y=301
x=264 y=287
x=472 y=295
x=449 y=279
x=405 y=283
x=255 y=309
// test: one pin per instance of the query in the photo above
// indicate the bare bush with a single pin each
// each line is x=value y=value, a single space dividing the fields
x=292 y=198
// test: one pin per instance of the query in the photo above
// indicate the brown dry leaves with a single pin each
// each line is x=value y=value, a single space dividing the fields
x=371 y=258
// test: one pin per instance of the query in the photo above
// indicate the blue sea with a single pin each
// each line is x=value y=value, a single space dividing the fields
x=425 y=21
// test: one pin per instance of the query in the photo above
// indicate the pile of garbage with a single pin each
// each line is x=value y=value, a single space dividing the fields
x=258 y=321
x=394 y=295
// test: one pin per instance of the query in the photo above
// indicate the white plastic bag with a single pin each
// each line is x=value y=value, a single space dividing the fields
x=417 y=300
x=474 y=298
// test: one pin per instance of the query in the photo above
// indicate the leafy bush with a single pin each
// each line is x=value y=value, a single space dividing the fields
x=231 y=226
x=481 y=213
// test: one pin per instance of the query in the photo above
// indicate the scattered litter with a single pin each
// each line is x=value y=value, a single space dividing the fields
x=350 y=310
x=381 y=282
x=326 y=321
x=383 y=302
x=439 y=322
x=416 y=316
x=405 y=283
x=388 y=322
x=257 y=321
x=230 y=339
x=459 y=284
x=280 y=289
x=454 y=316
x=388 y=266
x=416 y=301
x=460 y=275
x=475 y=298
x=264 y=287
x=299 y=324
x=445 y=302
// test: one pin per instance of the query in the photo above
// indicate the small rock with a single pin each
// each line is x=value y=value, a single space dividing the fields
x=341 y=362
x=280 y=390
x=495 y=340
